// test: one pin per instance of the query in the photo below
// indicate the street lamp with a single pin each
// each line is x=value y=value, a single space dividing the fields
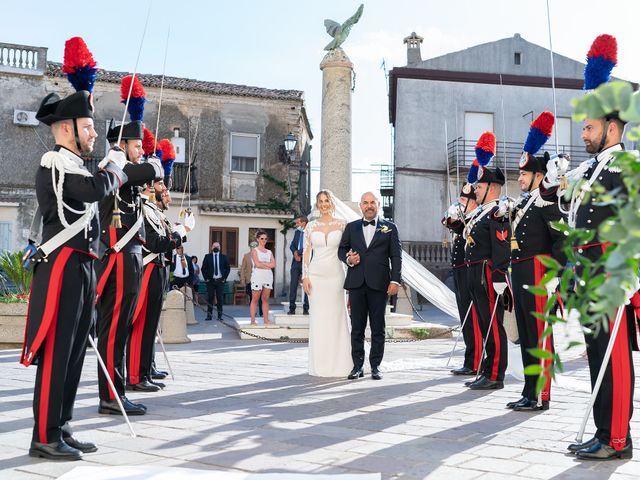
x=290 y=142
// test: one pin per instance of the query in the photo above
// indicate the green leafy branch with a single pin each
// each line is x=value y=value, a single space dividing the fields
x=595 y=289
x=276 y=203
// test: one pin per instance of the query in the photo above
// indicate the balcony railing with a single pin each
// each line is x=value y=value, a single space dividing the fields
x=461 y=153
x=434 y=256
x=179 y=175
x=429 y=254
x=22 y=59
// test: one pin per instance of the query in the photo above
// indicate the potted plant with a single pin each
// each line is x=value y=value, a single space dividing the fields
x=15 y=282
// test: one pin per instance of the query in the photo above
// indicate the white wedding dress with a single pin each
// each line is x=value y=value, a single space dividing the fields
x=329 y=336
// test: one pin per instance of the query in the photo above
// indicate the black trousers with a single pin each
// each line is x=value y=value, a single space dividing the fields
x=145 y=324
x=296 y=273
x=368 y=303
x=471 y=333
x=116 y=306
x=215 y=294
x=484 y=299
x=179 y=282
x=530 y=272
x=61 y=355
x=613 y=407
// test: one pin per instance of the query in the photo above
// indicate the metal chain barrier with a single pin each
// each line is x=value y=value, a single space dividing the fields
x=284 y=339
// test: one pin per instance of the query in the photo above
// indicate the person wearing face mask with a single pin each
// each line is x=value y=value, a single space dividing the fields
x=215 y=270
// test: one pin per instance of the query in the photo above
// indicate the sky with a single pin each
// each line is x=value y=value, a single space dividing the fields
x=279 y=44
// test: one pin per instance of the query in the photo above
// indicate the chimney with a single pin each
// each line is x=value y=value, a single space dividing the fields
x=413 y=42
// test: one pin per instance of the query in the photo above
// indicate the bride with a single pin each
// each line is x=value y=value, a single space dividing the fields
x=323 y=278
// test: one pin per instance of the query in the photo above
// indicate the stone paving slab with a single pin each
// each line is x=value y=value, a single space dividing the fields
x=249 y=406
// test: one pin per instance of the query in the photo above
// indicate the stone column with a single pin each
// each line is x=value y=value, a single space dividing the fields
x=335 y=153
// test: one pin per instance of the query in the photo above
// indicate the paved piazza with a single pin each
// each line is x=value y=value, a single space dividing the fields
x=249 y=406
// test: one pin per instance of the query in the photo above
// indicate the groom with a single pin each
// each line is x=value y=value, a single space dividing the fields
x=368 y=246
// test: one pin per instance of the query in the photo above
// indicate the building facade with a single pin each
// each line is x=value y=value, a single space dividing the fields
x=231 y=168
x=440 y=106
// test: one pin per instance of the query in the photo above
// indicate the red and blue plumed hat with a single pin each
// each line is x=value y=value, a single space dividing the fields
x=601 y=59
x=539 y=133
x=79 y=64
x=485 y=150
x=136 y=102
x=148 y=142
x=80 y=68
x=168 y=155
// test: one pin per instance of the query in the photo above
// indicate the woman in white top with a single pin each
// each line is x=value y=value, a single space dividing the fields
x=323 y=279
x=261 y=277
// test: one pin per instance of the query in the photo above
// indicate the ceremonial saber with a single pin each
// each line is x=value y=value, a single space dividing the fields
x=164 y=66
x=133 y=76
x=553 y=75
x=164 y=351
x=484 y=344
x=464 y=322
x=603 y=369
x=111 y=385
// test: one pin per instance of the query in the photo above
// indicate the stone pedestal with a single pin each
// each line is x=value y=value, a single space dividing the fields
x=335 y=152
x=173 y=320
x=13 y=317
x=403 y=306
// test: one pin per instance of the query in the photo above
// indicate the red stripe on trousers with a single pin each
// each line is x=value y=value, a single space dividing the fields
x=477 y=339
x=620 y=380
x=541 y=300
x=115 y=318
x=139 y=317
x=494 y=331
x=50 y=318
x=621 y=385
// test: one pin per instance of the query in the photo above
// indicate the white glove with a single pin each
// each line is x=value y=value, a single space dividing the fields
x=500 y=287
x=453 y=212
x=189 y=221
x=556 y=168
x=157 y=166
x=505 y=206
x=552 y=286
x=116 y=156
x=180 y=230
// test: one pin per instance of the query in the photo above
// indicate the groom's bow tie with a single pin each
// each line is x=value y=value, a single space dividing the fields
x=370 y=222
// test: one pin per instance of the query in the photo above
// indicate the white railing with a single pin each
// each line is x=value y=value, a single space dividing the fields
x=22 y=59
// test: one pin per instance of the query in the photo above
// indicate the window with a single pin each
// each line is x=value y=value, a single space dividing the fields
x=5 y=236
x=475 y=124
x=561 y=129
x=516 y=58
x=228 y=239
x=245 y=152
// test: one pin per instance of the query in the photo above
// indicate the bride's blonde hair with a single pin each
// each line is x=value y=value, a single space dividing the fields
x=329 y=195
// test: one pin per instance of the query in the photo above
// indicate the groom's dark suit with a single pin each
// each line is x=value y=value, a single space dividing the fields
x=367 y=282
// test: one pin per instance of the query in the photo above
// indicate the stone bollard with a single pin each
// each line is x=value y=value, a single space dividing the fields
x=173 y=320
x=188 y=305
x=403 y=305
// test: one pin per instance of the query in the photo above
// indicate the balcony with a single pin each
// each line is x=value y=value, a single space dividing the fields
x=22 y=59
x=179 y=175
x=387 y=190
x=461 y=153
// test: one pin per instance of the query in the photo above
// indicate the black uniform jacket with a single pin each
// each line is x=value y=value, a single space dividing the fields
x=130 y=205
x=489 y=240
x=534 y=233
x=77 y=191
